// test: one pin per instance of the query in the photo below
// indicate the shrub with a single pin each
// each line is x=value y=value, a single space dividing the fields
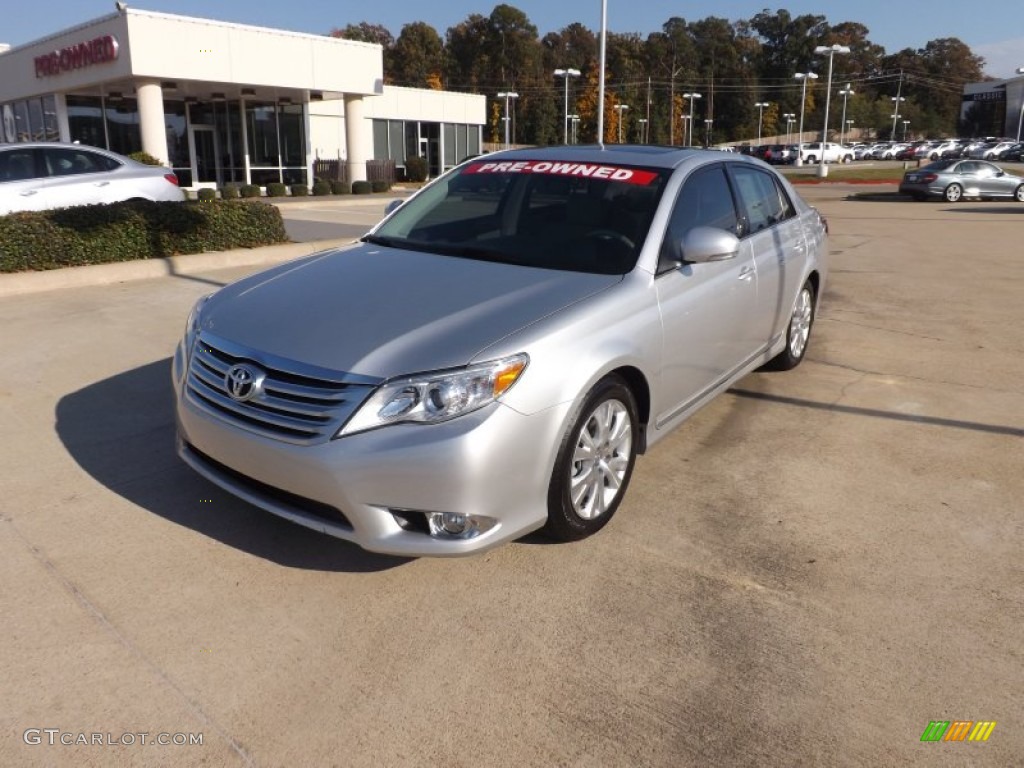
x=250 y=190
x=361 y=188
x=341 y=188
x=230 y=192
x=380 y=185
x=144 y=157
x=300 y=190
x=276 y=189
x=205 y=194
x=321 y=187
x=99 y=234
x=416 y=169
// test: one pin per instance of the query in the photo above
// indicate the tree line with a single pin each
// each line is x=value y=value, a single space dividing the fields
x=732 y=65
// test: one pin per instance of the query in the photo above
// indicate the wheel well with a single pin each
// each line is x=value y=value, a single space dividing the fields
x=815 y=280
x=637 y=384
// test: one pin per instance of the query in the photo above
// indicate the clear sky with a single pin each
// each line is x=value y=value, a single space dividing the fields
x=994 y=29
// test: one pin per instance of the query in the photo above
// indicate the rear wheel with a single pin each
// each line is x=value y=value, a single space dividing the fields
x=1018 y=194
x=812 y=159
x=953 y=193
x=594 y=463
x=799 y=332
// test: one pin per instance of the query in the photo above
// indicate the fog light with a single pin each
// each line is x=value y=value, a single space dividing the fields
x=456 y=525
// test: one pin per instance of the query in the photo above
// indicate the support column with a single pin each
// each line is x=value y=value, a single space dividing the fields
x=151 y=120
x=358 y=138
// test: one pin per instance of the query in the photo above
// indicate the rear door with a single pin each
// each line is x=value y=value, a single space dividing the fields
x=78 y=176
x=22 y=181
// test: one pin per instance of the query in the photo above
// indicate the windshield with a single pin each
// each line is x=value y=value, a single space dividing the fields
x=583 y=217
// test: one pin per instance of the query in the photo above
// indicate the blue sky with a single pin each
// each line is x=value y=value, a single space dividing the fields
x=993 y=29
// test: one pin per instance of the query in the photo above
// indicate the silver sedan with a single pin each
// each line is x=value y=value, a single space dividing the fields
x=494 y=355
x=954 y=180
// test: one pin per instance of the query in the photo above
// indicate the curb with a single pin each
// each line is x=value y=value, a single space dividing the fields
x=24 y=283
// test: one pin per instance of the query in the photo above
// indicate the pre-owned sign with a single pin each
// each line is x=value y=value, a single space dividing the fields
x=96 y=51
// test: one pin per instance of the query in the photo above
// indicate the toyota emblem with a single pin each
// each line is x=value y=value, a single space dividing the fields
x=243 y=382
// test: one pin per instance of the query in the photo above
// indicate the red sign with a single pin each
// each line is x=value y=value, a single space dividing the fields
x=588 y=170
x=97 y=51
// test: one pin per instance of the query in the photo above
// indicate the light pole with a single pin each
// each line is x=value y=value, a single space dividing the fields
x=845 y=93
x=642 y=121
x=620 y=108
x=849 y=127
x=575 y=120
x=895 y=114
x=905 y=124
x=707 y=131
x=804 y=76
x=507 y=95
x=1020 y=120
x=566 y=74
x=831 y=50
x=760 y=116
x=691 y=97
x=790 y=119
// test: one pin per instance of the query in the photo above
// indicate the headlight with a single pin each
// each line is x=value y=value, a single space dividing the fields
x=192 y=325
x=437 y=397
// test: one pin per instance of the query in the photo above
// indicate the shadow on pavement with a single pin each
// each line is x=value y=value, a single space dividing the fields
x=121 y=432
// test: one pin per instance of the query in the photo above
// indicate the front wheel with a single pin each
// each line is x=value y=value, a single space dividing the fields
x=798 y=334
x=1018 y=195
x=594 y=462
x=953 y=193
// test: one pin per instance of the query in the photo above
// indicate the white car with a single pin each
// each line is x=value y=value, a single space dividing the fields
x=834 y=153
x=39 y=176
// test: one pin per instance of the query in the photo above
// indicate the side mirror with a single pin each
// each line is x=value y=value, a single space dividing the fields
x=703 y=244
x=392 y=206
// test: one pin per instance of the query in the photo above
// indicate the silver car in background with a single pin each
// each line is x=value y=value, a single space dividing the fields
x=39 y=176
x=495 y=354
x=954 y=180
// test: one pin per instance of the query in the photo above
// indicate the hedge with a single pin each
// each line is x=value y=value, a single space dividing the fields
x=416 y=169
x=361 y=188
x=251 y=190
x=99 y=234
x=341 y=188
x=299 y=190
x=206 y=194
x=321 y=187
x=380 y=185
x=276 y=189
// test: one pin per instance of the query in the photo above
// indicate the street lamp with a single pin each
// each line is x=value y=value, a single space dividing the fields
x=691 y=97
x=1020 y=120
x=575 y=120
x=566 y=74
x=760 y=116
x=849 y=126
x=620 y=108
x=507 y=95
x=845 y=93
x=895 y=114
x=831 y=50
x=707 y=131
x=804 y=76
x=905 y=124
x=790 y=119
x=642 y=121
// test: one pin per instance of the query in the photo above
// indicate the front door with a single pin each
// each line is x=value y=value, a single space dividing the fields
x=205 y=154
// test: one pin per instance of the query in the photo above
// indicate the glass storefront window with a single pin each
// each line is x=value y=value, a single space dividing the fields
x=35 y=119
x=51 y=128
x=123 y=130
x=85 y=120
x=261 y=124
x=293 y=149
x=23 y=126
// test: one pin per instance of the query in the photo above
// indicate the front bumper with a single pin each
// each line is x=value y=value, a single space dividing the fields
x=495 y=462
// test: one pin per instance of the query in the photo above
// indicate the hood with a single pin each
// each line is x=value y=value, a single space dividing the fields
x=383 y=312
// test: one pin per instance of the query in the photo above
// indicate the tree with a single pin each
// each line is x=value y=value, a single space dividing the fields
x=365 y=32
x=417 y=57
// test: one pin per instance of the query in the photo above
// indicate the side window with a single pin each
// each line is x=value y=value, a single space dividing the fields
x=704 y=201
x=17 y=165
x=69 y=162
x=761 y=198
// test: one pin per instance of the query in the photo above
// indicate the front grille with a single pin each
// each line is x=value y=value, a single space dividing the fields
x=275 y=497
x=293 y=404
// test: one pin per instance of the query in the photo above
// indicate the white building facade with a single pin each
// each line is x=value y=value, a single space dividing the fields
x=228 y=103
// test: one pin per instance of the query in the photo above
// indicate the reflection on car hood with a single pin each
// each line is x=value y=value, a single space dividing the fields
x=383 y=312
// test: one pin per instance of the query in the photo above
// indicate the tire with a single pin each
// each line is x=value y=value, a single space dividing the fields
x=1018 y=194
x=954 y=193
x=606 y=428
x=798 y=333
x=811 y=159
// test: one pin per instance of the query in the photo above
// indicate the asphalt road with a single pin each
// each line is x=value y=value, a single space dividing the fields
x=807 y=573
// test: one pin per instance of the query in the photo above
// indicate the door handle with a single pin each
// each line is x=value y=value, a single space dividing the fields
x=746 y=273
x=29 y=192
x=102 y=183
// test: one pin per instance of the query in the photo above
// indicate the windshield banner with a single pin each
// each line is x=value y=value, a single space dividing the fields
x=588 y=170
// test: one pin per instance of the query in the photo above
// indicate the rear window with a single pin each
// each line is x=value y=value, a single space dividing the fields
x=585 y=217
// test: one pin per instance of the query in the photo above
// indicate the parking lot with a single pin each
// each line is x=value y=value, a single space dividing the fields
x=807 y=573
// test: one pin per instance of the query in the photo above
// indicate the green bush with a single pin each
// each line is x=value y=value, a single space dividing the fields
x=99 y=234
x=416 y=169
x=300 y=190
x=276 y=189
x=231 y=192
x=205 y=194
x=380 y=186
x=250 y=190
x=341 y=188
x=321 y=187
x=144 y=157
x=361 y=188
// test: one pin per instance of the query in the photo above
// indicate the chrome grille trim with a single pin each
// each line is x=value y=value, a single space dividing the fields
x=297 y=403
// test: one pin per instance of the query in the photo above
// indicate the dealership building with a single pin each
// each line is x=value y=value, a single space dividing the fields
x=221 y=102
x=994 y=108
